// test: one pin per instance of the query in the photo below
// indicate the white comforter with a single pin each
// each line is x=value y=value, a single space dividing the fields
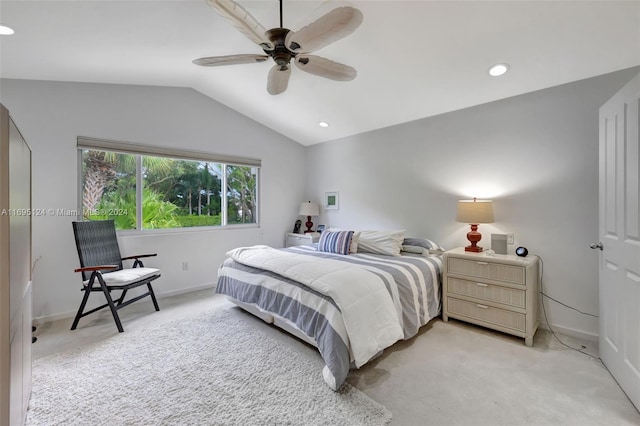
x=369 y=314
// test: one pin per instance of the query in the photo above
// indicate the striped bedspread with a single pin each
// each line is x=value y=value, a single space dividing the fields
x=410 y=284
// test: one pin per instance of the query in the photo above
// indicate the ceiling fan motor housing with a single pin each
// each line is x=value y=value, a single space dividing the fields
x=280 y=54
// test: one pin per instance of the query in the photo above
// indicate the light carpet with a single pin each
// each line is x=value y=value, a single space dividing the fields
x=210 y=369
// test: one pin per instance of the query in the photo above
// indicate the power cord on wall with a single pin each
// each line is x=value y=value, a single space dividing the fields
x=544 y=311
x=33 y=267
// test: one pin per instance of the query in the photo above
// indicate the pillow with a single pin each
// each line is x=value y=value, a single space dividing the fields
x=381 y=242
x=414 y=249
x=354 y=239
x=422 y=246
x=335 y=242
x=354 y=242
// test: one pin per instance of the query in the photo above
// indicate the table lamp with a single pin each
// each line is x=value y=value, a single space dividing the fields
x=474 y=212
x=309 y=209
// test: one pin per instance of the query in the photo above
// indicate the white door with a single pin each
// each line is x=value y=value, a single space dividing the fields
x=619 y=231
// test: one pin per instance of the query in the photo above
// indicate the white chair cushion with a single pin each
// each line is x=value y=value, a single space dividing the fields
x=127 y=276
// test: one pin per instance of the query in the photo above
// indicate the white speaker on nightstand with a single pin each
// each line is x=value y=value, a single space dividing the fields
x=499 y=243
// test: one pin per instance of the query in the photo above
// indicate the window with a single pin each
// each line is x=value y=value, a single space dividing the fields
x=146 y=191
x=241 y=194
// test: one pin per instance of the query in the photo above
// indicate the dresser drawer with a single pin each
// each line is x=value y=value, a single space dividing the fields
x=481 y=269
x=493 y=293
x=295 y=240
x=301 y=239
x=500 y=317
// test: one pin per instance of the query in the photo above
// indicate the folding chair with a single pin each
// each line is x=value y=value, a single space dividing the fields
x=102 y=271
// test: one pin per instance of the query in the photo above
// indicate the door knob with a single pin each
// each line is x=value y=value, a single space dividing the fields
x=596 y=246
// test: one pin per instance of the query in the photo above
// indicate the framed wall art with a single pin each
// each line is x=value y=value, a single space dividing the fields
x=331 y=200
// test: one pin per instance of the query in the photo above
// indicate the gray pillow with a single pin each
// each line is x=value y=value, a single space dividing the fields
x=421 y=245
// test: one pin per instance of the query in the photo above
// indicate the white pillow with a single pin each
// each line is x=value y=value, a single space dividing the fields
x=415 y=249
x=354 y=242
x=381 y=242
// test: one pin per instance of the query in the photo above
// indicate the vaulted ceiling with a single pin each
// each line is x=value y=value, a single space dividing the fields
x=414 y=58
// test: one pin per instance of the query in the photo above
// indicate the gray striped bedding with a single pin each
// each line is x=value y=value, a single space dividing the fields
x=412 y=282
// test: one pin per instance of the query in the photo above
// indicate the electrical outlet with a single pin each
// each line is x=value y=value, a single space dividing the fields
x=510 y=238
x=185 y=266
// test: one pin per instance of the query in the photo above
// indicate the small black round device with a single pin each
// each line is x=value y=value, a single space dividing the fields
x=522 y=251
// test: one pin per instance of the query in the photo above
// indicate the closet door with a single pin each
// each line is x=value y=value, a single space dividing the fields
x=15 y=273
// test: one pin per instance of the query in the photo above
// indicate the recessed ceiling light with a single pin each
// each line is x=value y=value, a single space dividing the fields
x=323 y=124
x=498 y=69
x=4 y=30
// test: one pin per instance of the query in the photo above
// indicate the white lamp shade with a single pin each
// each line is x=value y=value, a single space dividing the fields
x=475 y=211
x=309 y=209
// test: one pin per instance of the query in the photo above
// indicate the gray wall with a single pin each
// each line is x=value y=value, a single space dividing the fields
x=51 y=115
x=535 y=155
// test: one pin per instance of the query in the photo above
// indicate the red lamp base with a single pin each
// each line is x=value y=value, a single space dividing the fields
x=309 y=225
x=474 y=236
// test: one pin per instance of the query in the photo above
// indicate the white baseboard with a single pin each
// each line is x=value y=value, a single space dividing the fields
x=177 y=292
x=580 y=334
x=37 y=321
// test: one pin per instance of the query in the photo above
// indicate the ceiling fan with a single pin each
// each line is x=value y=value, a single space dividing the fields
x=284 y=45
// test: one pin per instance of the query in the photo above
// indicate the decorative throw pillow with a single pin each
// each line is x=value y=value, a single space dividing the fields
x=354 y=239
x=381 y=242
x=335 y=242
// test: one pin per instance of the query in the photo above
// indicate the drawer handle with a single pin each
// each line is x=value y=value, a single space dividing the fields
x=482 y=285
x=482 y=306
x=482 y=263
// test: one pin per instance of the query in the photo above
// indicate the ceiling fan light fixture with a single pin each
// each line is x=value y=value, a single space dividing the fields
x=4 y=30
x=498 y=69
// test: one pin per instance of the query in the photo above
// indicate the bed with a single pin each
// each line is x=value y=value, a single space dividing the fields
x=348 y=303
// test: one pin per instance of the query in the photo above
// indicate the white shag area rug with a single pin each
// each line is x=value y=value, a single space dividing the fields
x=211 y=369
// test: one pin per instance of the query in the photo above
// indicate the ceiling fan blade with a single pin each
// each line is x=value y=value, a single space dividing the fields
x=214 y=61
x=278 y=79
x=338 y=23
x=243 y=21
x=326 y=68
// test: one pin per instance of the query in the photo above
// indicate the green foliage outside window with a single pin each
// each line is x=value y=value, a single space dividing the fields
x=122 y=209
x=176 y=193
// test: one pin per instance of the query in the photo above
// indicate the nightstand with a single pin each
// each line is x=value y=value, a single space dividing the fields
x=498 y=292
x=292 y=239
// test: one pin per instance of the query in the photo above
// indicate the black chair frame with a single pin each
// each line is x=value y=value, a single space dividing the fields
x=97 y=283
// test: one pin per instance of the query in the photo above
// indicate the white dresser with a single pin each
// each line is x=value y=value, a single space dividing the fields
x=498 y=292
x=292 y=239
